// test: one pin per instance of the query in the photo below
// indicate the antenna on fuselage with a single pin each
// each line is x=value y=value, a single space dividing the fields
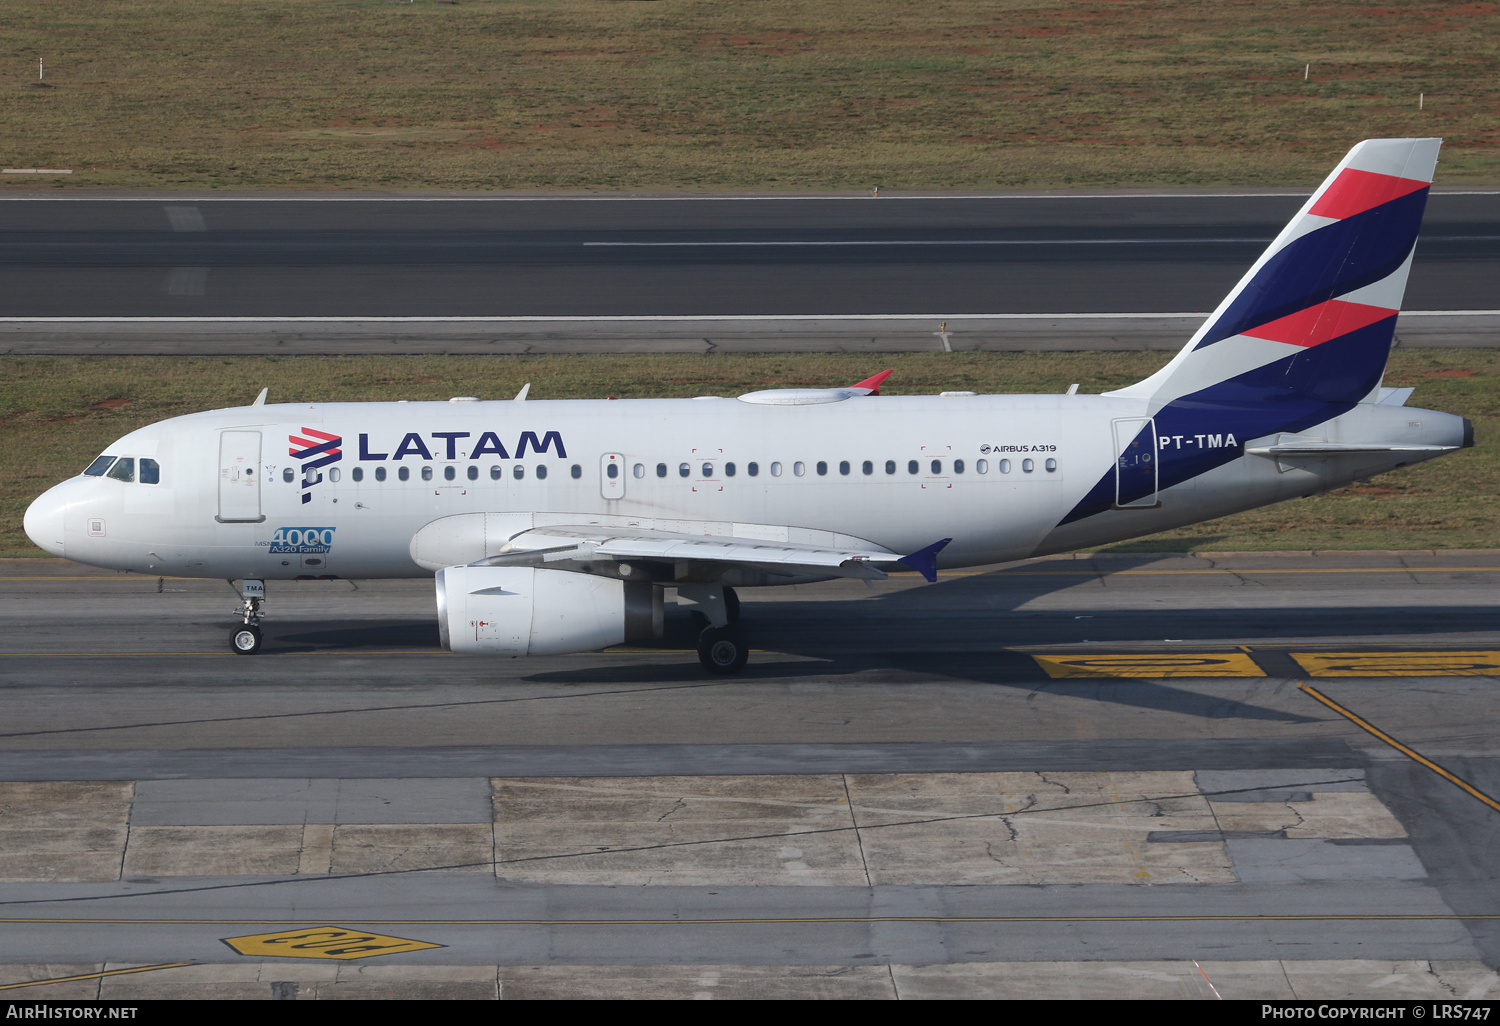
x=260 y=400
x=522 y=393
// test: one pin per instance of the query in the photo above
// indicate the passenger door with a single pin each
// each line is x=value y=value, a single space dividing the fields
x=239 y=478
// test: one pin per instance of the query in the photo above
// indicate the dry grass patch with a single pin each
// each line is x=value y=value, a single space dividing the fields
x=504 y=94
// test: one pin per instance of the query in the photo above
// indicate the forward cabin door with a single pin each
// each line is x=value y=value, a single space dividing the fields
x=1135 y=463
x=239 y=478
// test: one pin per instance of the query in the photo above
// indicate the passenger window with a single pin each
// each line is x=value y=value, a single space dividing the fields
x=776 y=470
x=612 y=471
x=639 y=470
x=912 y=466
x=1028 y=465
x=333 y=475
x=982 y=466
x=541 y=472
x=288 y=475
x=426 y=473
x=99 y=466
x=890 y=466
x=576 y=471
x=123 y=470
x=449 y=472
x=473 y=472
x=822 y=468
x=404 y=473
x=661 y=470
x=151 y=473
x=518 y=472
x=753 y=469
x=937 y=466
x=358 y=473
x=729 y=470
x=867 y=467
x=708 y=470
x=1005 y=466
x=495 y=472
x=958 y=466
x=799 y=468
x=683 y=470
x=380 y=473
x=1051 y=466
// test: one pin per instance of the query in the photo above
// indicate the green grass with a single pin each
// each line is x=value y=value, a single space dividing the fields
x=57 y=413
x=709 y=94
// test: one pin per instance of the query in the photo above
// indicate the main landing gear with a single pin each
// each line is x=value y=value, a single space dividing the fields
x=245 y=639
x=716 y=610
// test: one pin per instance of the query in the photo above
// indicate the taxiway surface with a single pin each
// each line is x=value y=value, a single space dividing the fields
x=393 y=273
x=1101 y=767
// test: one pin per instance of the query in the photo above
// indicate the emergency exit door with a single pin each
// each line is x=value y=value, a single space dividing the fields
x=239 y=478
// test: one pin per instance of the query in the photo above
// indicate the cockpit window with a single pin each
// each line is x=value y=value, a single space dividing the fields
x=99 y=466
x=123 y=470
x=150 y=472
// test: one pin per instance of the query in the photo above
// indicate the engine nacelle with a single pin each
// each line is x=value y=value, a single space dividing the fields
x=515 y=610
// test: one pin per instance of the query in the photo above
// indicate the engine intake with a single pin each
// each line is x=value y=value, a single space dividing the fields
x=529 y=611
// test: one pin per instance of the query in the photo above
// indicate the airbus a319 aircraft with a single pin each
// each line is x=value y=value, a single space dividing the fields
x=555 y=527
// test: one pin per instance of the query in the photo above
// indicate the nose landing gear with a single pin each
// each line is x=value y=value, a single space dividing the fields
x=245 y=639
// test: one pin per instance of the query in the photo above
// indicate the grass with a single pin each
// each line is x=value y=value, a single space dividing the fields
x=706 y=94
x=57 y=413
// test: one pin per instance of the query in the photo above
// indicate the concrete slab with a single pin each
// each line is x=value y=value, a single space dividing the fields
x=306 y=981
x=382 y=848
x=1344 y=814
x=248 y=801
x=54 y=831
x=74 y=990
x=678 y=830
x=1276 y=785
x=1033 y=828
x=1269 y=980
x=1267 y=860
x=213 y=851
x=700 y=982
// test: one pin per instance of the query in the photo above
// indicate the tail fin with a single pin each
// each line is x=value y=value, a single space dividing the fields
x=1313 y=319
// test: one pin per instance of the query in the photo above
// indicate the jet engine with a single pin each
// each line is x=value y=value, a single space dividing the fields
x=529 y=611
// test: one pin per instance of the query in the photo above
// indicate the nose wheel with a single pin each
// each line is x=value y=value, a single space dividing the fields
x=245 y=640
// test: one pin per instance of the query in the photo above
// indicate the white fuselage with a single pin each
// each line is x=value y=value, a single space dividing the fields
x=997 y=474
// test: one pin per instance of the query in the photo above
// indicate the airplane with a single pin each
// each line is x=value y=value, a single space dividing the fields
x=556 y=526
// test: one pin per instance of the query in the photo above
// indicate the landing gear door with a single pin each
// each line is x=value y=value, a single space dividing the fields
x=612 y=475
x=239 y=478
x=1135 y=463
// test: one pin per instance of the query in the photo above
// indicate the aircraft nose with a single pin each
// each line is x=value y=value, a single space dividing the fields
x=44 y=522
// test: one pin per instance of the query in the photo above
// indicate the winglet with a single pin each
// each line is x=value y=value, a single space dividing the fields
x=924 y=561
x=260 y=400
x=871 y=386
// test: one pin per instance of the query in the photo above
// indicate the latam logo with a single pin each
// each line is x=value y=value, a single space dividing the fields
x=301 y=541
x=318 y=450
x=447 y=445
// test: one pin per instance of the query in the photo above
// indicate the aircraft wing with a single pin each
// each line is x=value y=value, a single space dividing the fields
x=677 y=548
x=588 y=544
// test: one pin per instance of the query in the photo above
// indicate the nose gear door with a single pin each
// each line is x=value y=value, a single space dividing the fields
x=239 y=478
x=1135 y=463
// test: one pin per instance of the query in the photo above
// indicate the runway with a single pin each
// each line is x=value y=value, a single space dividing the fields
x=363 y=274
x=1063 y=777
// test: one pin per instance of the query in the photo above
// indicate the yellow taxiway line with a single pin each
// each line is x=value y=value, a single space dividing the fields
x=1410 y=753
x=96 y=976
